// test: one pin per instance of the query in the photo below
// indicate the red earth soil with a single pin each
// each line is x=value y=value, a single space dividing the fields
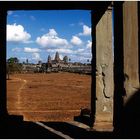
x=48 y=97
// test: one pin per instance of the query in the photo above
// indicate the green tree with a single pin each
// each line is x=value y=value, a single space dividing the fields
x=13 y=65
x=13 y=60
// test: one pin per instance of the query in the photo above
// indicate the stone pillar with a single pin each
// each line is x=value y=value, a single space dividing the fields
x=104 y=68
x=130 y=46
x=118 y=67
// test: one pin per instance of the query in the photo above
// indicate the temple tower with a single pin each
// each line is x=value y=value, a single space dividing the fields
x=57 y=59
x=49 y=59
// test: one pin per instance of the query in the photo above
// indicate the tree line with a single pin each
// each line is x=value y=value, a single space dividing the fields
x=13 y=66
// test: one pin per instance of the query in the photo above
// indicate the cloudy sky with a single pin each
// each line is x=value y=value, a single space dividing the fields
x=34 y=35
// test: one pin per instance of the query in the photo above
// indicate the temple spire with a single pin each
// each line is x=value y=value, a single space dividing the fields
x=57 y=59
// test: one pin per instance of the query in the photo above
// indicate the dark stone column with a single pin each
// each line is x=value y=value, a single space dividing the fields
x=93 y=84
x=3 y=14
x=126 y=70
x=131 y=105
x=119 y=91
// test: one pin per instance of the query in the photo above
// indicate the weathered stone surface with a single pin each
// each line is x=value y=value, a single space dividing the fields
x=104 y=66
x=130 y=37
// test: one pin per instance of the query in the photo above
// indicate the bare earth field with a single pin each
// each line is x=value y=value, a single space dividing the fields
x=48 y=97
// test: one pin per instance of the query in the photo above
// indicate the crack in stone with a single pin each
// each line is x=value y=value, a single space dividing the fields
x=103 y=79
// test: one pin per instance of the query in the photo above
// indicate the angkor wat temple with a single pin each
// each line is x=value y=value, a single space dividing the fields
x=57 y=65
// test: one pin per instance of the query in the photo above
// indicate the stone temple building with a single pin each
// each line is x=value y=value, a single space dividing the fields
x=64 y=65
x=57 y=60
x=57 y=63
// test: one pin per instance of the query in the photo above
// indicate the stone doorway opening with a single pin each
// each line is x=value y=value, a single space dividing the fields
x=58 y=87
x=95 y=17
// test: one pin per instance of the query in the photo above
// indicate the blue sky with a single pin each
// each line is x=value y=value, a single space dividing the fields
x=34 y=35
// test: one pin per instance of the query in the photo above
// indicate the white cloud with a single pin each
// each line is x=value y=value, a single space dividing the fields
x=31 y=50
x=89 y=44
x=86 y=31
x=60 y=50
x=51 y=40
x=33 y=53
x=85 y=54
x=79 y=58
x=10 y=12
x=61 y=56
x=84 y=59
x=76 y=41
x=16 y=49
x=52 y=33
x=82 y=55
x=36 y=56
x=79 y=50
x=16 y=33
x=53 y=43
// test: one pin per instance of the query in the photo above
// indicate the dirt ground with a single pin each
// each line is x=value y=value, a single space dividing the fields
x=48 y=97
